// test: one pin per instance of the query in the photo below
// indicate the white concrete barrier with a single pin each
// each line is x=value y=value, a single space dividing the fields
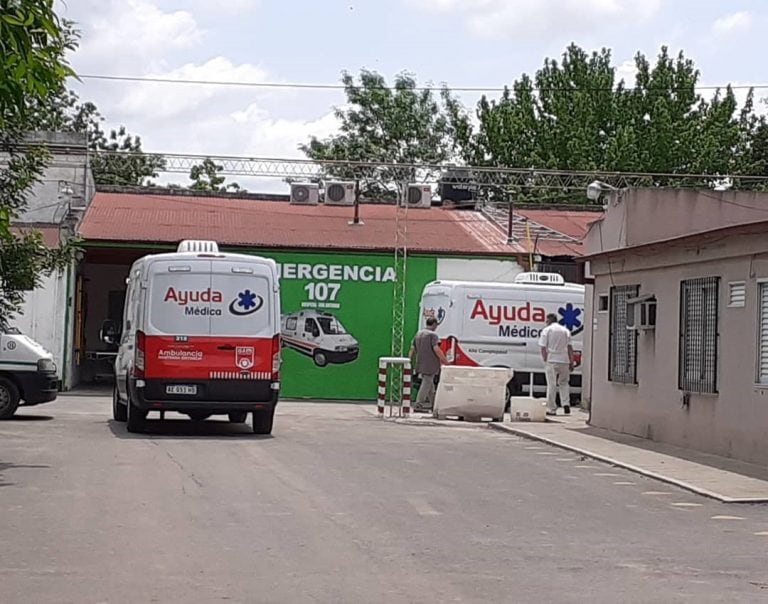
x=473 y=393
x=527 y=409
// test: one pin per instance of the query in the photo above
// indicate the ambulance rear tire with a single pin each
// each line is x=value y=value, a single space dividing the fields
x=9 y=398
x=119 y=411
x=238 y=417
x=262 y=421
x=135 y=420
x=320 y=359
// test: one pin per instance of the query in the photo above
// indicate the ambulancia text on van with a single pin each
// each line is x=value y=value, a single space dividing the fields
x=319 y=335
x=27 y=373
x=200 y=335
x=498 y=324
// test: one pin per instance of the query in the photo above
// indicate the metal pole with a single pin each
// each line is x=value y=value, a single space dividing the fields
x=356 y=219
x=530 y=386
x=511 y=222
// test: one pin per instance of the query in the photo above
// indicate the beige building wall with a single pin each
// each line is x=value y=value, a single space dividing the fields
x=733 y=422
x=640 y=216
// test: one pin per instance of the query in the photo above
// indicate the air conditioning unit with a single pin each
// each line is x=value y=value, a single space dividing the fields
x=417 y=196
x=641 y=313
x=200 y=246
x=339 y=193
x=305 y=194
x=540 y=278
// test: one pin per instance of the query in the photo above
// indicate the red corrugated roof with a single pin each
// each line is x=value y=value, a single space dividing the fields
x=569 y=222
x=50 y=232
x=144 y=217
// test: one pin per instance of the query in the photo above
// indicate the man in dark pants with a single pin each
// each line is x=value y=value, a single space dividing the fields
x=426 y=357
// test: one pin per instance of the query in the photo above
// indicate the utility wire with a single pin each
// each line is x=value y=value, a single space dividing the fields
x=321 y=86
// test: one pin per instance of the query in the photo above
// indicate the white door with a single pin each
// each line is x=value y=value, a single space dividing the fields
x=180 y=298
x=242 y=333
x=311 y=331
x=247 y=309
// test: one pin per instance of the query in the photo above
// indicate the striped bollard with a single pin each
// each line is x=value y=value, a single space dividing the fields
x=406 y=388
x=405 y=394
x=382 y=387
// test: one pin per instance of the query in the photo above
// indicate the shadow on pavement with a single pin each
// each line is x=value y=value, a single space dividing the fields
x=88 y=391
x=12 y=466
x=29 y=418
x=185 y=428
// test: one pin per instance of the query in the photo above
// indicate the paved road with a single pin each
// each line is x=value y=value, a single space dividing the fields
x=339 y=507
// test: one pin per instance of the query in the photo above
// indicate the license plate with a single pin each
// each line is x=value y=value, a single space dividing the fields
x=178 y=389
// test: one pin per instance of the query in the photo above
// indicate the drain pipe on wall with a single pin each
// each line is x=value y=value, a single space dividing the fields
x=65 y=370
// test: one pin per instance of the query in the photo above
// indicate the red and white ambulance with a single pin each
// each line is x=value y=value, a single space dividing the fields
x=200 y=335
x=488 y=324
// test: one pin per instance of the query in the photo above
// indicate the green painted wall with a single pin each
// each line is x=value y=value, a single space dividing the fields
x=363 y=306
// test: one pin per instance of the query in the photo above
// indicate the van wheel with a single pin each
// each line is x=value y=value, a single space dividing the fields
x=320 y=359
x=198 y=416
x=9 y=398
x=135 y=418
x=119 y=411
x=238 y=417
x=262 y=421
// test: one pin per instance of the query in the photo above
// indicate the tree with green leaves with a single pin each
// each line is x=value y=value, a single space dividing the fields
x=33 y=66
x=573 y=114
x=206 y=176
x=116 y=157
x=379 y=124
x=757 y=146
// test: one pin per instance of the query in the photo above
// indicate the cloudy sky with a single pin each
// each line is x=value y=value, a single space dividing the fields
x=459 y=42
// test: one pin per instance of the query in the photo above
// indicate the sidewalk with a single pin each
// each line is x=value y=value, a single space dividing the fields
x=720 y=478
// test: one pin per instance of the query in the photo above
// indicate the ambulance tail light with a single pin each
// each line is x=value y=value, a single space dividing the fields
x=450 y=350
x=139 y=358
x=275 y=358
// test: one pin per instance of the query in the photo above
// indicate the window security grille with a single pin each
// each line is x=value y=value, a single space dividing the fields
x=697 y=368
x=622 y=345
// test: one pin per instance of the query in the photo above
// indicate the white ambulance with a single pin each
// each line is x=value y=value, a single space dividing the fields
x=27 y=373
x=487 y=324
x=200 y=335
x=319 y=335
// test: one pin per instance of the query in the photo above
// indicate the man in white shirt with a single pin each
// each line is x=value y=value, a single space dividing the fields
x=557 y=353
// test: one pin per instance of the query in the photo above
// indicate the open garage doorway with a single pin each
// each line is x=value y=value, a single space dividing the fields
x=101 y=290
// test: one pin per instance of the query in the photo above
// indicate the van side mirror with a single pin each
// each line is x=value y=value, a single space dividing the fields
x=109 y=332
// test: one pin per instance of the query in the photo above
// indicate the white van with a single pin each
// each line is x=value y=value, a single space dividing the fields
x=27 y=373
x=200 y=335
x=319 y=335
x=485 y=324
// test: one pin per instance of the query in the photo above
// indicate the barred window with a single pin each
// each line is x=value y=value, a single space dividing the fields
x=697 y=369
x=622 y=345
x=762 y=337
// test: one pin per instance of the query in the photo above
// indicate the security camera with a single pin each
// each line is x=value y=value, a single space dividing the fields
x=594 y=190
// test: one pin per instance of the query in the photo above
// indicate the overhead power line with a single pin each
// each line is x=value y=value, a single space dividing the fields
x=321 y=86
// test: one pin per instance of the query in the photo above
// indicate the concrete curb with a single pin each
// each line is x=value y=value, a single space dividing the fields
x=638 y=470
